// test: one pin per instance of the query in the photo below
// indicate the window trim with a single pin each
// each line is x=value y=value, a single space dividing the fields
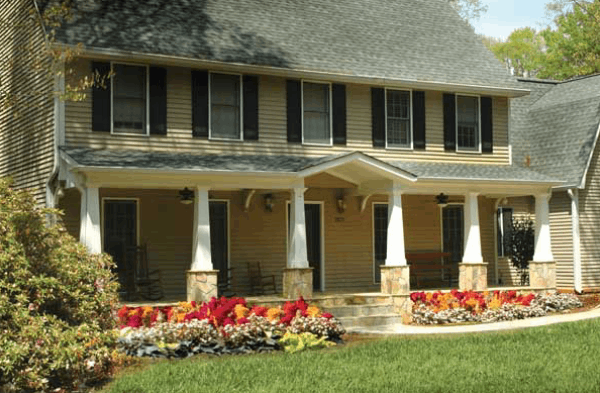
x=410 y=113
x=457 y=148
x=330 y=112
x=112 y=96
x=210 y=137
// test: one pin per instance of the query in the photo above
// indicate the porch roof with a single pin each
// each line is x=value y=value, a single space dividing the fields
x=88 y=158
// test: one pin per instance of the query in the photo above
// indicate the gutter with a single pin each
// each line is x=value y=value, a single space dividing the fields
x=96 y=53
x=577 y=279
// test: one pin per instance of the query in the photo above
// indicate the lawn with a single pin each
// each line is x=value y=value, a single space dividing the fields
x=557 y=358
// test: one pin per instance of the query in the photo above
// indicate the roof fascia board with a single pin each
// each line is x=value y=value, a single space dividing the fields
x=358 y=157
x=589 y=161
x=297 y=73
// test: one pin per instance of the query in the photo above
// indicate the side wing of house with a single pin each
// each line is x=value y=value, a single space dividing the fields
x=27 y=119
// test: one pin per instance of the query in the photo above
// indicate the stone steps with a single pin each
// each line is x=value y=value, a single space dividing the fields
x=360 y=310
x=357 y=323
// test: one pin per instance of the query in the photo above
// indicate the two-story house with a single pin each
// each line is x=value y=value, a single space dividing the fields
x=325 y=140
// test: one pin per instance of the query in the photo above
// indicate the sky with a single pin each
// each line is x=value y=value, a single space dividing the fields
x=504 y=16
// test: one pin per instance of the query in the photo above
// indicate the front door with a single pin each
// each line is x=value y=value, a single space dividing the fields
x=312 y=216
x=120 y=234
x=452 y=227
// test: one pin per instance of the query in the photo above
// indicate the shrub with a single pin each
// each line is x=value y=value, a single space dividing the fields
x=56 y=302
x=522 y=246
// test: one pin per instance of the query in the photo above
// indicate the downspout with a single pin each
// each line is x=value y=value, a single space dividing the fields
x=574 y=195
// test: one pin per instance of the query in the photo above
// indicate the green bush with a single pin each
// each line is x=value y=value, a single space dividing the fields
x=522 y=246
x=57 y=302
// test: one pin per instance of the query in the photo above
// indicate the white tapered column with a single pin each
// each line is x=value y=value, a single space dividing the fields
x=297 y=254
x=472 y=272
x=89 y=226
x=201 y=257
x=396 y=255
x=542 y=270
x=298 y=275
x=201 y=278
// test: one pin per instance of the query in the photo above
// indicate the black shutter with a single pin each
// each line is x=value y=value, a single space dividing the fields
x=378 y=116
x=294 y=111
x=200 y=104
x=250 y=108
x=418 y=120
x=339 y=114
x=158 y=101
x=487 y=134
x=101 y=100
x=449 y=122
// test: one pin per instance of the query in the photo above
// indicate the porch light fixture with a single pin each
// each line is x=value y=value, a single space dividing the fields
x=269 y=202
x=341 y=205
x=442 y=200
x=186 y=196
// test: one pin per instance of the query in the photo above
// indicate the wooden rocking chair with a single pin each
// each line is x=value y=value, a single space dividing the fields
x=259 y=284
x=148 y=284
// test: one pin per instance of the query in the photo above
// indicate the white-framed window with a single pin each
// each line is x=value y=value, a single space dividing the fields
x=504 y=231
x=468 y=123
x=316 y=113
x=398 y=121
x=129 y=103
x=225 y=106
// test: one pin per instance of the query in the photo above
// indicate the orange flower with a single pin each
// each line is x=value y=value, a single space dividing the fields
x=146 y=311
x=274 y=313
x=313 y=311
x=240 y=311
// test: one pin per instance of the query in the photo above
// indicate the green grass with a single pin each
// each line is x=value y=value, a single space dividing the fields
x=556 y=358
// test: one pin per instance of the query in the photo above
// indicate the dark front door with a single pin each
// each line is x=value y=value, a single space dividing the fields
x=380 y=226
x=313 y=241
x=219 y=238
x=452 y=226
x=120 y=234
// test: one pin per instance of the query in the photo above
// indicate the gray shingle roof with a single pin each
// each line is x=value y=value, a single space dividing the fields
x=420 y=40
x=99 y=158
x=556 y=126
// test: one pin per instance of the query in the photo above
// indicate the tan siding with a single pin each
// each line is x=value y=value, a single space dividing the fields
x=562 y=238
x=26 y=129
x=70 y=204
x=273 y=130
x=589 y=226
x=486 y=228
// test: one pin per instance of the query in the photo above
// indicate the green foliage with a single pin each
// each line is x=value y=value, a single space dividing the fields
x=574 y=48
x=292 y=342
x=522 y=51
x=522 y=246
x=56 y=301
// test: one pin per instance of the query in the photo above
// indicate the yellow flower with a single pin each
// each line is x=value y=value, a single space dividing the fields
x=180 y=316
x=146 y=311
x=240 y=311
x=313 y=311
x=274 y=313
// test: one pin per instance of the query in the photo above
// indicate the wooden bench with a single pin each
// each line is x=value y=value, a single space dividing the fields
x=424 y=265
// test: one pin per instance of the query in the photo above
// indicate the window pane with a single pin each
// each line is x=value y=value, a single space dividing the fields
x=225 y=106
x=129 y=99
x=398 y=118
x=467 y=109
x=316 y=113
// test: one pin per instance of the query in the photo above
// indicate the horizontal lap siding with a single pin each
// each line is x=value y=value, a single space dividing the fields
x=70 y=204
x=273 y=128
x=486 y=230
x=562 y=238
x=27 y=129
x=589 y=205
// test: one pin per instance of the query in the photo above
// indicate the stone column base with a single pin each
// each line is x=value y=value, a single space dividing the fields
x=201 y=285
x=298 y=282
x=542 y=276
x=395 y=280
x=472 y=276
x=403 y=306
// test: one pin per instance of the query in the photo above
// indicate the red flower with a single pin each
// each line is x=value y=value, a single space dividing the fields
x=327 y=315
x=135 y=321
x=259 y=311
x=243 y=320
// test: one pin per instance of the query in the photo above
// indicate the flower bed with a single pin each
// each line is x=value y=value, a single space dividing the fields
x=456 y=307
x=225 y=325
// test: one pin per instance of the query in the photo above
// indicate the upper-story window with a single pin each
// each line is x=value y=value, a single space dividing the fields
x=467 y=123
x=130 y=99
x=316 y=121
x=398 y=121
x=225 y=106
